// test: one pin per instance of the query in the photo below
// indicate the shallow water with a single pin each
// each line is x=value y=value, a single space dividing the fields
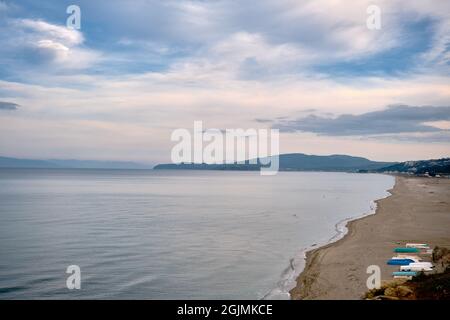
x=169 y=234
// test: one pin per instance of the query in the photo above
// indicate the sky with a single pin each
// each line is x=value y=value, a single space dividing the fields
x=135 y=71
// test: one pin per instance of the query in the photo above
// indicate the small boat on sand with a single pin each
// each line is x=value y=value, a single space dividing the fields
x=403 y=277
x=405 y=273
x=399 y=262
x=418 y=245
x=414 y=258
x=412 y=267
x=406 y=250
x=422 y=263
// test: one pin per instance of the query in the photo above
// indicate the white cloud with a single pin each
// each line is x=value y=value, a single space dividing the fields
x=39 y=44
x=62 y=34
x=444 y=125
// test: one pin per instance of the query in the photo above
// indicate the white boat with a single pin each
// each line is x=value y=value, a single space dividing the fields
x=421 y=264
x=415 y=268
x=413 y=258
x=418 y=245
x=406 y=256
x=429 y=264
x=403 y=277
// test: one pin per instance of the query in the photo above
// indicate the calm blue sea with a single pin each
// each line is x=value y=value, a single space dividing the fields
x=169 y=234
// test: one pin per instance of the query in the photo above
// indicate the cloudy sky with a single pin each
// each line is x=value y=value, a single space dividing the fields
x=116 y=88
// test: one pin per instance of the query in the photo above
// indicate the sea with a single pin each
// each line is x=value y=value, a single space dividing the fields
x=170 y=234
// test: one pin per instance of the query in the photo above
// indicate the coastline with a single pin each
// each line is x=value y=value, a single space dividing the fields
x=297 y=265
x=418 y=209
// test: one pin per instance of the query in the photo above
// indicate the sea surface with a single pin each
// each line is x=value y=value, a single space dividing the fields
x=143 y=234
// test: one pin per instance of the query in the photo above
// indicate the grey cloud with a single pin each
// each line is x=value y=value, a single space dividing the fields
x=430 y=137
x=234 y=131
x=261 y=120
x=392 y=120
x=8 y=105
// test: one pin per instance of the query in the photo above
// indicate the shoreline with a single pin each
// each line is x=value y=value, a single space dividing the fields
x=298 y=264
x=331 y=271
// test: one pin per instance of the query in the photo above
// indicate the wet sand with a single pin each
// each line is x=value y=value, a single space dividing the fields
x=417 y=211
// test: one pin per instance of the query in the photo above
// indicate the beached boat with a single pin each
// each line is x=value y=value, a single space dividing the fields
x=403 y=277
x=407 y=256
x=406 y=250
x=415 y=268
x=404 y=273
x=418 y=245
x=414 y=258
x=422 y=263
x=399 y=262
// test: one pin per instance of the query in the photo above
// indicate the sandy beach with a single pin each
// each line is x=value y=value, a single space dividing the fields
x=417 y=211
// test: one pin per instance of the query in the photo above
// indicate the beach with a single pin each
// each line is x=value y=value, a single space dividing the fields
x=417 y=211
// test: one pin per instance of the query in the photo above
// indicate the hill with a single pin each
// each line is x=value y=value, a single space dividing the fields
x=6 y=162
x=432 y=167
x=292 y=162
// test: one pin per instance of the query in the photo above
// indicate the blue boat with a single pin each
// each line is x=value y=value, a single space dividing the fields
x=406 y=250
x=404 y=273
x=399 y=262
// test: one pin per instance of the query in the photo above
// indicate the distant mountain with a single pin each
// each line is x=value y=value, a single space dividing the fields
x=293 y=162
x=432 y=167
x=6 y=162
x=24 y=163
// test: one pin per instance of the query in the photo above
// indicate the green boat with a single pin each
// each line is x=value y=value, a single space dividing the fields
x=406 y=250
x=404 y=273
